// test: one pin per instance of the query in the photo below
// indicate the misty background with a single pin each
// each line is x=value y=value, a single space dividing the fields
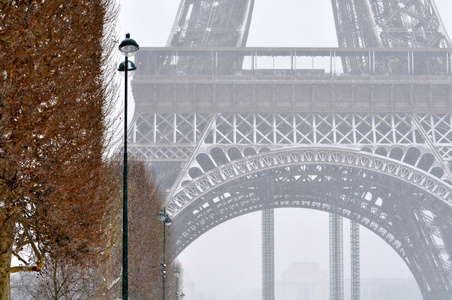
x=226 y=261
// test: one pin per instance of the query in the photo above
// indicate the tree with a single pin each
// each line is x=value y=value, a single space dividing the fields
x=54 y=93
x=145 y=238
x=57 y=279
x=65 y=280
x=146 y=234
x=22 y=285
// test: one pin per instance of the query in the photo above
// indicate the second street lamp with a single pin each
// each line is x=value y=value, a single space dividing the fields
x=166 y=220
x=177 y=275
x=128 y=47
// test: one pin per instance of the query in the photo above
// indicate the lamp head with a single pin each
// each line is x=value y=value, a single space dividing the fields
x=161 y=215
x=130 y=66
x=128 y=46
x=130 y=70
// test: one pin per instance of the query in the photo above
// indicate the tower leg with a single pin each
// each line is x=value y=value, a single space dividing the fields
x=336 y=258
x=355 y=261
x=268 y=254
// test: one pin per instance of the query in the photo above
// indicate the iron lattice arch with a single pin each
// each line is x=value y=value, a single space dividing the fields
x=228 y=135
x=214 y=154
x=184 y=146
x=408 y=208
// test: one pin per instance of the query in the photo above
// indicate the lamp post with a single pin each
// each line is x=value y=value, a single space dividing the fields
x=177 y=275
x=166 y=220
x=182 y=295
x=128 y=47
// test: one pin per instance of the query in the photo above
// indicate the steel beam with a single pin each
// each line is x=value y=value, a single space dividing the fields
x=336 y=258
x=355 y=261
x=268 y=254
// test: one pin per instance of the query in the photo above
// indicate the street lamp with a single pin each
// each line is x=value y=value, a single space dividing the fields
x=177 y=275
x=128 y=47
x=182 y=295
x=166 y=220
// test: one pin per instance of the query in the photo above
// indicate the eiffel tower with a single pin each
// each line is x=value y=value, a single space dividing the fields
x=362 y=131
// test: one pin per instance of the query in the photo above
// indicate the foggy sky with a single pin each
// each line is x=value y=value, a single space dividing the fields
x=226 y=261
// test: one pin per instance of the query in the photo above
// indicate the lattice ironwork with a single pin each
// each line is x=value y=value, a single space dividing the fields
x=398 y=136
x=228 y=172
x=355 y=261
x=233 y=145
x=209 y=193
x=218 y=132
x=211 y=23
x=390 y=135
x=268 y=252
x=336 y=258
x=355 y=129
x=377 y=23
x=367 y=197
x=293 y=129
x=179 y=129
x=388 y=24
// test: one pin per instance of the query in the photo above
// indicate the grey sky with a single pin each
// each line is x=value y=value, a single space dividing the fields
x=226 y=260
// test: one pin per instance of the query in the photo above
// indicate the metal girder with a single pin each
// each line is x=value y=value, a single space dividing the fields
x=268 y=240
x=222 y=147
x=211 y=23
x=268 y=251
x=388 y=24
x=260 y=63
x=320 y=95
x=359 y=23
x=412 y=24
x=354 y=30
x=412 y=148
x=355 y=261
x=423 y=140
x=380 y=202
x=336 y=257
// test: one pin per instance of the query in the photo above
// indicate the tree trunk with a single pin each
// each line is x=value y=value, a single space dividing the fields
x=6 y=242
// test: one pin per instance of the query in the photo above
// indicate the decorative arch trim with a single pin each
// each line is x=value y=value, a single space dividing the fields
x=256 y=163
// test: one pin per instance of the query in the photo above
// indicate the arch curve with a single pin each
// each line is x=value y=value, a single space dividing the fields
x=242 y=167
x=388 y=197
